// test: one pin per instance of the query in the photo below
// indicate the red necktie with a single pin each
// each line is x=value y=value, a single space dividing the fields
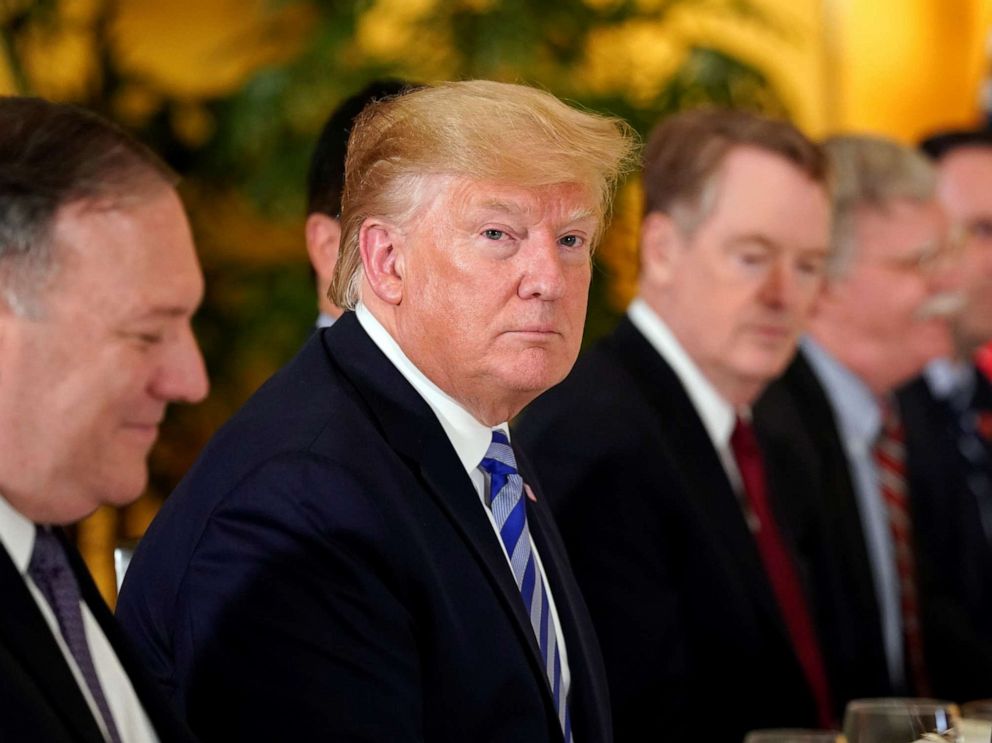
x=781 y=570
x=890 y=455
x=984 y=359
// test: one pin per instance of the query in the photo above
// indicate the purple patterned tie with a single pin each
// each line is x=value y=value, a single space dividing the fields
x=50 y=571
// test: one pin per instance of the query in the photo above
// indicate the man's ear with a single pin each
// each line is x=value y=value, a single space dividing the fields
x=323 y=235
x=661 y=247
x=381 y=246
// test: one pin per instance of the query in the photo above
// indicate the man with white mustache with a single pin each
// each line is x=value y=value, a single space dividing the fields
x=948 y=415
x=883 y=315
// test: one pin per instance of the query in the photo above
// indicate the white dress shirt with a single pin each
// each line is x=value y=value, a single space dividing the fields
x=716 y=413
x=859 y=422
x=17 y=535
x=470 y=440
x=950 y=380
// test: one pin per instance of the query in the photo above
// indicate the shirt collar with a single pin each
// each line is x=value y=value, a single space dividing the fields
x=469 y=437
x=17 y=535
x=858 y=415
x=948 y=379
x=324 y=320
x=717 y=414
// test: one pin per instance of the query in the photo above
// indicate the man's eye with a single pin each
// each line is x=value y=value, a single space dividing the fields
x=494 y=234
x=753 y=259
x=812 y=267
x=981 y=228
x=149 y=339
x=571 y=241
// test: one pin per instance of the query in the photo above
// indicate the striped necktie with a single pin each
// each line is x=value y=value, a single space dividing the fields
x=510 y=513
x=890 y=457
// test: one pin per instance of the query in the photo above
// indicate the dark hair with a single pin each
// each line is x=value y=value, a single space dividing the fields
x=685 y=152
x=941 y=144
x=53 y=154
x=325 y=180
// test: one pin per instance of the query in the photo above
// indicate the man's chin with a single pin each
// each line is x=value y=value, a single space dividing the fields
x=124 y=490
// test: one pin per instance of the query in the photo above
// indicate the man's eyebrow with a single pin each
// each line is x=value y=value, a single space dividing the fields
x=753 y=237
x=167 y=311
x=501 y=206
x=771 y=244
x=580 y=213
x=576 y=215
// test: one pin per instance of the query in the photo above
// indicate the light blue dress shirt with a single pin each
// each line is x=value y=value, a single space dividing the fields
x=859 y=421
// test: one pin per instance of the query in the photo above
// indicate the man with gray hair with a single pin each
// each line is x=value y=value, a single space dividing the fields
x=359 y=554
x=98 y=282
x=883 y=315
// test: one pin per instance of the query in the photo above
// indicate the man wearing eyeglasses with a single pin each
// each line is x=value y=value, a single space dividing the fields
x=948 y=415
x=883 y=315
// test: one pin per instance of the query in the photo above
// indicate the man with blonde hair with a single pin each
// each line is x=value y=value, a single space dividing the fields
x=883 y=315
x=693 y=579
x=359 y=555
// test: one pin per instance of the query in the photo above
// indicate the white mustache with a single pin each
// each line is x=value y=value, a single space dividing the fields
x=945 y=304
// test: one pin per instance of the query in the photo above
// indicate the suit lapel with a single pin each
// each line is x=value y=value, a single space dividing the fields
x=704 y=479
x=589 y=697
x=841 y=502
x=27 y=637
x=413 y=431
x=162 y=718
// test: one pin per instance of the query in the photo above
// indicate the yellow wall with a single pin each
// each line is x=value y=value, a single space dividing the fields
x=905 y=67
x=898 y=67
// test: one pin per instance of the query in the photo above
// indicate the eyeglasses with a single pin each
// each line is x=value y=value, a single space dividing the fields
x=978 y=229
x=931 y=255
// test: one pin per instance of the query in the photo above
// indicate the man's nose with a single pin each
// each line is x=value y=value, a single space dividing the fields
x=543 y=270
x=779 y=288
x=183 y=374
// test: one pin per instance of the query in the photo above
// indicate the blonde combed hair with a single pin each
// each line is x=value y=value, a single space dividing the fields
x=478 y=129
x=870 y=173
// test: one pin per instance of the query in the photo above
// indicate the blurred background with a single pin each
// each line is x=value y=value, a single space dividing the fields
x=232 y=93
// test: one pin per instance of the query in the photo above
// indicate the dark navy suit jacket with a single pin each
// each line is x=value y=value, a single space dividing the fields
x=326 y=571
x=955 y=553
x=39 y=697
x=693 y=640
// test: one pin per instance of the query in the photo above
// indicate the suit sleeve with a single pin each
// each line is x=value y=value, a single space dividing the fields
x=300 y=631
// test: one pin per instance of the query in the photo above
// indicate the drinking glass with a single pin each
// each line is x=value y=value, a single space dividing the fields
x=794 y=735
x=901 y=721
x=979 y=709
x=976 y=721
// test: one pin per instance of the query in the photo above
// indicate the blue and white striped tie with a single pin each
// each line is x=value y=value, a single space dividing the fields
x=509 y=511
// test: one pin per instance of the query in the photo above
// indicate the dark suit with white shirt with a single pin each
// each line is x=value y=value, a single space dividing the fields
x=693 y=639
x=40 y=699
x=327 y=571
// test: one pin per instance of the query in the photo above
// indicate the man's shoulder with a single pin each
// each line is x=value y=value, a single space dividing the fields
x=796 y=398
x=605 y=380
x=305 y=432
x=602 y=418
